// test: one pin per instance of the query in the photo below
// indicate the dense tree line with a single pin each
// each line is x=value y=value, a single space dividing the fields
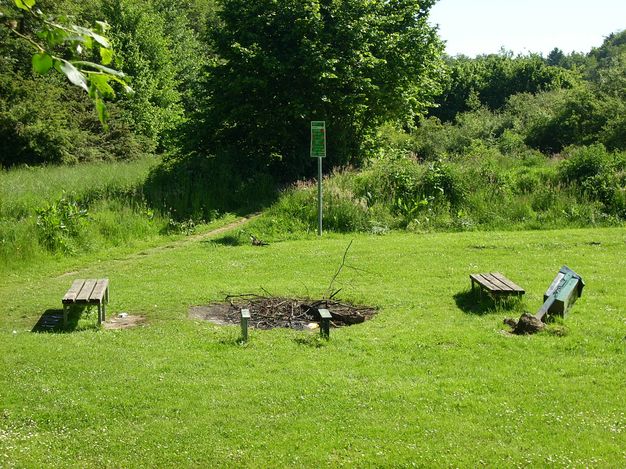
x=552 y=102
x=282 y=64
x=226 y=88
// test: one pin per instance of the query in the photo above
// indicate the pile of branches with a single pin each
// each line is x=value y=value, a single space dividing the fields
x=272 y=312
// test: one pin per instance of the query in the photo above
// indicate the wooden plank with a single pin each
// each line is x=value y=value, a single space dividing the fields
x=508 y=282
x=99 y=290
x=70 y=296
x=484 y=282
x=85 y=292
x=496 y=283
x=478 y=278
x=501 y=285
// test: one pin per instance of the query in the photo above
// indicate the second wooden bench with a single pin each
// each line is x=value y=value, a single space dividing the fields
x=87 y=292
x=496 y=284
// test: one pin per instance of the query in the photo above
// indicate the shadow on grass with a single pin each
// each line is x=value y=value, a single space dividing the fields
x=226 y=240
x=51 y=321
x=477 y=302
x=234 y=341
x=314 y=341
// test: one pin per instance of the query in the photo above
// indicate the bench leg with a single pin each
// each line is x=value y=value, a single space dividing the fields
x=104 y=303
x=65 y=314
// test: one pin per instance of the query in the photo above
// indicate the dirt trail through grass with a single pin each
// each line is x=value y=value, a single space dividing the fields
x=189 y=239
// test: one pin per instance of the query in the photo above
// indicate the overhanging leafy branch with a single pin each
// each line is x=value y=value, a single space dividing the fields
x=61 y=45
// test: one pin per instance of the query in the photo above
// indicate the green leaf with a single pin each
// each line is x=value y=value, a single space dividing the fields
x=102 y=112
x=42 y=62
x=127 y=89
x=103 y=41
x=101 y=83
x=106 y=55
x=101 y=68
x=74 y=75
x=102 y=27
x=25 y=4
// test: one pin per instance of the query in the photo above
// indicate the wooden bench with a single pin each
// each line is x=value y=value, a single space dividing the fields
x=87 y=292
x=496 y=284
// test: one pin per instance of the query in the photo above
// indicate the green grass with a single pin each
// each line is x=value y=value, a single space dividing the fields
x=111 y=194
x=22 y=190
x=425 y=383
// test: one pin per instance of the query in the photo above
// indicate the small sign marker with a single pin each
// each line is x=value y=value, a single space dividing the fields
x=325 y=323
x=245 y=316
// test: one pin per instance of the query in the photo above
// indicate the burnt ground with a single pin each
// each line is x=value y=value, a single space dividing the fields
x=273 y=312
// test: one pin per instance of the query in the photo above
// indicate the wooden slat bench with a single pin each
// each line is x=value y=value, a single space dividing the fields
x=87 y=292
x=496 y=284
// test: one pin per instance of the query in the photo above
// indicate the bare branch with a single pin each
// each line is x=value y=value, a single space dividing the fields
x=343 y=262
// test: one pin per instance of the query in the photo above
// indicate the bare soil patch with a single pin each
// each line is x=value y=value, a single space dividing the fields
x=274 y=312
x=124 y=321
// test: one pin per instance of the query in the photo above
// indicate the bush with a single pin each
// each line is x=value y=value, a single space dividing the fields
x=442 y=180
x=599 y=174
x=60 y=223
x=583 y=163
x=530 y=180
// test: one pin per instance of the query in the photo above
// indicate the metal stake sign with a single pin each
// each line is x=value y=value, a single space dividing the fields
x=318 y=150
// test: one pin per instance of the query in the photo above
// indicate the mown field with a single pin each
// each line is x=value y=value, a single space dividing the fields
x=430 y=381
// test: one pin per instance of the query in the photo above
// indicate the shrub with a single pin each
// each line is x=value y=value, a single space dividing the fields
x=60 y=223
x=583 y=163
x=528 y=180
x=599 y=174
x=441 y=180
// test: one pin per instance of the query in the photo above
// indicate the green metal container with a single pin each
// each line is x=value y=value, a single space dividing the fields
x=562 y=293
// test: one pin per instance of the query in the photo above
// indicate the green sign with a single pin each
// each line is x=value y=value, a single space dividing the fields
x=318 y=139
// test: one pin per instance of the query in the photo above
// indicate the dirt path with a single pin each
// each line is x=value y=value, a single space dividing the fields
x=223 y=229
x=189 y=239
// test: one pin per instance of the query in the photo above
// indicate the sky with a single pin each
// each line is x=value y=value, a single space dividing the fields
x=473 y=27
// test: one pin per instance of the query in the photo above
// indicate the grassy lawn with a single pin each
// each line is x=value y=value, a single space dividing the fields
x=427 y=382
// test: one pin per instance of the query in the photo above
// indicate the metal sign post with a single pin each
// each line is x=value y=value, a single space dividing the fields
x=318 y=150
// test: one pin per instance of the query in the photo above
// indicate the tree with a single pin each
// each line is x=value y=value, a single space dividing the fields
x=282 y=63
x=556 y=57
x=159 y=48
x=489 y=80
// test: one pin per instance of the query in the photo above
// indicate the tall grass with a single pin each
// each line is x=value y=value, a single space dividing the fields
x=483 y=190
x=23 y=190
x=66 y=209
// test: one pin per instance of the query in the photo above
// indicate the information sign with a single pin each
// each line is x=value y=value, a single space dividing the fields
x=318 y=139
